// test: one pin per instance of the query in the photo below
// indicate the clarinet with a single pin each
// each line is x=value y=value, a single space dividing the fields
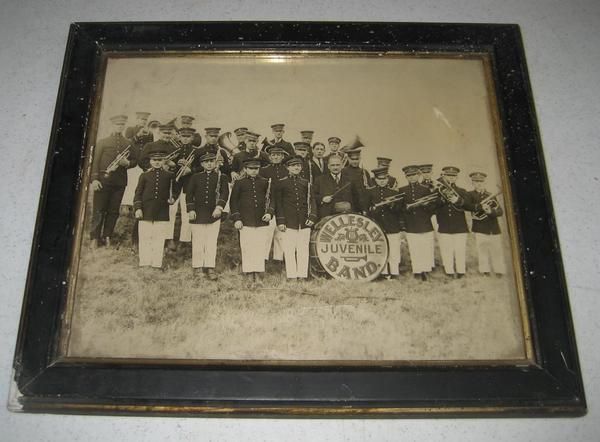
x=268 y=196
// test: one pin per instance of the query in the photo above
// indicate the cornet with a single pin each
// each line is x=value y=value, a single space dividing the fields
x=489 y=202
x=114 y=164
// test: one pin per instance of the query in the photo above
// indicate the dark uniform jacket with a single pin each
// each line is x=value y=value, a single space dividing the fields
x=105 y=152
x=250 y=199
x=152 y=193
x=202 y=195
x=289 y=149
x=390 y=216
x=196 y=139
x=418 y=219
x=451 y=217
x=393 y=183
x=238 y=159
x=221 y=155
x=132 y=131
x=154 y=146
x=488 y=225
x=183 y=154
x=274 y=171
x=293 y=204
x=325 y=185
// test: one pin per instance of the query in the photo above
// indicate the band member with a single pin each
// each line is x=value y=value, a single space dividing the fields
x=307 y=137
x=251 y=205
x=112 y=157
x=162 y=144
x=275 y=172
x=334 y=148
x=296 y=213
x=486 y=227
x=240 y=134
x=154 y=193
x=207 y=193
x=140 y=128
x=212 y=136
x=417 y=215
x=153 y=128
x=385 y=162
x=452 y=223
x=335 y=193
x=319 y=164
x=186 y=163
x=251 y=151
x=357 y=174
x=385 y=208
x=301 y=148
x=278 y=131
x=186 y=123
x=426 y=179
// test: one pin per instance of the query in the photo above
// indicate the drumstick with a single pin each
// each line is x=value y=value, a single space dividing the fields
x=339 y=190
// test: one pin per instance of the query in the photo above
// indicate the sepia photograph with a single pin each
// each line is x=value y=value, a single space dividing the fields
x=296 y=208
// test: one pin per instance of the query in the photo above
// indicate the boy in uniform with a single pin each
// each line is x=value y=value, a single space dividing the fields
x=206 y=194
x=155 y=192
x=295 y=207
x=251 y=205
x=387 y=216
x=275 y=172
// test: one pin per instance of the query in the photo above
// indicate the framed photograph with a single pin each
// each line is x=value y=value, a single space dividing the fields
x=298 y=219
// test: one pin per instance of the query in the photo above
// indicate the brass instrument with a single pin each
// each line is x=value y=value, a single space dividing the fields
x=225 y=141
x=489 y=202
x=266 y=143
x=423 y=201
x=357 y=143
x=187 y=164
x=268 y=197
x=388 y=200
x=173 y=154
x=176 y=143
x=446 y=191
x=114 y=164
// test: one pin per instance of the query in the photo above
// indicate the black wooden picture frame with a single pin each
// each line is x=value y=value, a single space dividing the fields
x=42 y=383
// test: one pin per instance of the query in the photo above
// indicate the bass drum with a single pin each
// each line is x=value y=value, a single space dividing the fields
x=347 y=247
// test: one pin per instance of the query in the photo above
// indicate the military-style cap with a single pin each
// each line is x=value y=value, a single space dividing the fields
x=301 y=145
x=252 y=162
x=171 y=123
x=240 y=131
x=207 y=157
x=187 y=119
x=143 y=115
x=450 y=170
x=307 y=133
x=189 y=131
x=276 y=150
x=426 y=168
x=252 y=136
x=293 y=159
x=212 y=130
x=277 y=126
x=410 y=170
x=157 y=151
x=478 y=176
x=118 y=119
x=353 y=154
x=380 y=172
x=154 y=123
x=334 y=140
x=383 y=162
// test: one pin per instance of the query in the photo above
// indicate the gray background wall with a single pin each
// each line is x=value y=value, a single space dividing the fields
x=562 y=42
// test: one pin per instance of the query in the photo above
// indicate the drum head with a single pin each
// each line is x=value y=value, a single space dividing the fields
x=350 y=247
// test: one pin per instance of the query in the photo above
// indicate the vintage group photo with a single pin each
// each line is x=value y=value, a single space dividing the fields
x=296 y=209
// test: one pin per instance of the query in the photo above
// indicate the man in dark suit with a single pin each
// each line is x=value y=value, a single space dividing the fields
x=486 y=227
x=319 y=163
x=335 y=193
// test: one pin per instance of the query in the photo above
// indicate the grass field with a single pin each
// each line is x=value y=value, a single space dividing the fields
x=121 y=310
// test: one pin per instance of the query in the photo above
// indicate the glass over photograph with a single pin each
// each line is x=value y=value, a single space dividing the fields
x=296 y=208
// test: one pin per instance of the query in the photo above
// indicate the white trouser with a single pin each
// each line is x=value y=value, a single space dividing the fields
x=489 y=248
x=419 y=247
x=295 y=250
x=252 y=244
x=453 y=247
x=185 y=233
x=204 y=244
x=394 y=242
x=275 y=238
x=151 y=242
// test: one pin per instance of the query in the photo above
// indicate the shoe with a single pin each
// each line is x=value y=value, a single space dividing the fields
x=198 y=271
x=460 y=275
x=211 y=274
x=107 y=241
x=171 y=245
x=424 y=276
x=395 y=277
x=487 y=274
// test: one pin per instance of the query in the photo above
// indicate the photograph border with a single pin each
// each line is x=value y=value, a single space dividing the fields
x=45 y=381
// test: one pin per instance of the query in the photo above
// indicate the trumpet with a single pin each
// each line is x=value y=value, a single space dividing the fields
x=389 y=200
x=488 y=202
x=187 y=163
x=423 y=201
x=446 y=191
x=114 y=164
x=176 y=143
